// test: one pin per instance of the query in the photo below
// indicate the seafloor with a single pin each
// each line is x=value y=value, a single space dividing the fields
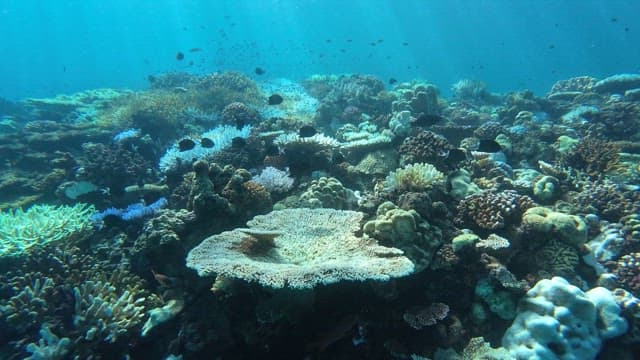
x=215 y=217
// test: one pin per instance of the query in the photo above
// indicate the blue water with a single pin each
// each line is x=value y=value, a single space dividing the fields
x=52 y=47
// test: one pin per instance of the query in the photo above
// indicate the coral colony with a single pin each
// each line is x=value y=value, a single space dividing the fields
x=337 y=217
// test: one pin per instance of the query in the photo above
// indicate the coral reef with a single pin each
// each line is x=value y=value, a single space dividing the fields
x=21 y=231
x=317 y=246
x=415 y=178
x=593 y=156
x=491 y=211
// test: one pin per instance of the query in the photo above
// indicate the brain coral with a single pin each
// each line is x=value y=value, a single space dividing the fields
x=316 y=246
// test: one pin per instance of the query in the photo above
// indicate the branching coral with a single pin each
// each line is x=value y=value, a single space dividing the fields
x=609 y=200
x=488 y=210
x=593 y=156
x=414 y=177
x=20 y=230
x=317 y=246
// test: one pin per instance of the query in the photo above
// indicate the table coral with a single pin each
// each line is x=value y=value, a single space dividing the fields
x=317 y=246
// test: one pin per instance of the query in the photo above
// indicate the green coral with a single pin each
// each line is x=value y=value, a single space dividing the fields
x=328 y=192
x=546 y=188
x=500 y=302
x=406 y=230
x=22 y=230
x=461 y=184
x=569 y=228
x=414 y=177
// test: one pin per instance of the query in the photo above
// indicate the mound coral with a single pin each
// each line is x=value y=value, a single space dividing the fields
x=426 y=146
x=488 y=210
x=238 y=114
x=317 y=246
x=414 y=177
x=328 y=192
x=570 y=229
x=20 y=230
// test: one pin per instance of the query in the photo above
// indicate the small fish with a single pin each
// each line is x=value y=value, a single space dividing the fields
x=552 y=46
x=259 y=71
x=275 y=99
x=186 y=144
x=427 y=119
x=457 y=155
x=392 y=81
x=405 y=44
x=307 y=131
x=179 y=56
x=195 y=50
x=238 y=142
x=337 y=158
x=162 y=279
x=206 y=143
x=489 y=146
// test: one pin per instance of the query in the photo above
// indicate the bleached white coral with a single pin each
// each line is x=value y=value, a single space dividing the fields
x=317 y=246
x=414 y=177
x=221 y=137
x=318 y=140
x=274 y=180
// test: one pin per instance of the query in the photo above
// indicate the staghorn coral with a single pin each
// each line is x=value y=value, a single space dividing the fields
x=102 y=313
x=414 y=178
x=29 y=306
x=490 y=211
x=425 y=146
x=22 y=231
x=317 y=246
x=593 y=156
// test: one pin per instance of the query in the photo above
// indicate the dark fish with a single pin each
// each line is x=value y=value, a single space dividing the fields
x=195 y=49
x=186 y=144
x=405 y=44
x=259 y=71
x=427 y=119
x=179 y=56
x=275 y=99
x=337 y=158
x=489 y=146
x=272 y=150
x=206 y=143
x=552 y=46
x=307 y=131
x=392 y=81
x=238 y=142
x=457 y=155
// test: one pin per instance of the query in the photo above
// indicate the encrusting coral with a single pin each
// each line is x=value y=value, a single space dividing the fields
x=317 y=246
